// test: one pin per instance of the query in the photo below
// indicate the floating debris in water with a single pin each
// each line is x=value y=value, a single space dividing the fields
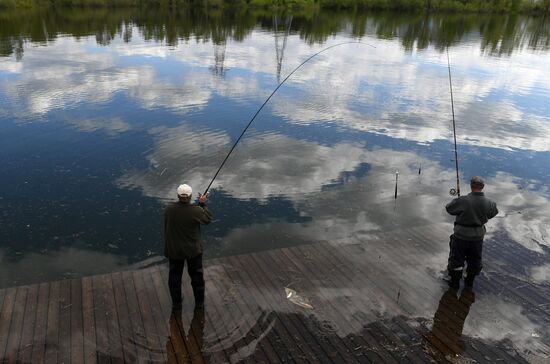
x=396 y=177
x=297 y=299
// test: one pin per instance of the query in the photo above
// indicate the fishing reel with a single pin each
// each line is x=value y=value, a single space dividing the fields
x=453 y=192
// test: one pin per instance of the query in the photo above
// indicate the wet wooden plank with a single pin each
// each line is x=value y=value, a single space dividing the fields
x=291 y=335
x=102 y=343
x=27 y=332
x=6 y=318
x=88 y=321
x=412 y=337
x=524 y=289
x=307 y=270
x=161 y=315
x=77 y=332
x=125 y=320
x=382 y=297
x=177 y=347
x=52 y=328
x=436 y=347
x=321 y=351
x=219 y=297
x=152 y=334
x=41 y=324
x=64 y=351
x=408 y=340
x=2 y=296
x=258 y=330
x=138 y=329
x=277 y=330
x=238 y=321
x=279 y=334
x=175 y=343
x=366 y=340
x=391 y=262
x=494 y=350
x=116 y=351
x=16 y=326
x=195 y=336
x=332 y=273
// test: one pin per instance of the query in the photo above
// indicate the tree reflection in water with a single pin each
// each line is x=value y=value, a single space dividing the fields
x=501 y=34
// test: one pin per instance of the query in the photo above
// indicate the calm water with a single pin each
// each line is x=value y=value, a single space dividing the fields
x=104 y=113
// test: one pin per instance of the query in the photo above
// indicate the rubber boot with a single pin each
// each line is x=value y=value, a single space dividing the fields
x=454 y=282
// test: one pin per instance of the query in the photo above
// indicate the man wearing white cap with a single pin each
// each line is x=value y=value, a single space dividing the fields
x=182 y=242
x=472 y=213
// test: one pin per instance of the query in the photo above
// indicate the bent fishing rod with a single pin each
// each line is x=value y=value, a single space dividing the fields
x=453 y=191
x=267 y=100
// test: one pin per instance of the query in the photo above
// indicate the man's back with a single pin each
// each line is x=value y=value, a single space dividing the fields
x=472 y=213
x=182 y=229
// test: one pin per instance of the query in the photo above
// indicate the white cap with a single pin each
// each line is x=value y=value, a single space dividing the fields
x=184 y=190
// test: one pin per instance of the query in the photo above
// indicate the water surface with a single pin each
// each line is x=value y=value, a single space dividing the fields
x=104 y=113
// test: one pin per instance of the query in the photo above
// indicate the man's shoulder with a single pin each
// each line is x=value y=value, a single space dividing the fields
x=486 y=199
x=172 y=206
x=177 y=206
x=458 y=199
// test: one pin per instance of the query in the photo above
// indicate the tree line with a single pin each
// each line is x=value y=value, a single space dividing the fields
x=531 y=6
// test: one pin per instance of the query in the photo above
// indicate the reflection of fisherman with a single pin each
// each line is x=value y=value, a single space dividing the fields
x=183 y=348
x=449 y=320
x=472 y=212
x=183 y=243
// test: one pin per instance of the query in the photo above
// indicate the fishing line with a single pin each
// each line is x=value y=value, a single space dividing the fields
x=267 y=100
x=453 y=191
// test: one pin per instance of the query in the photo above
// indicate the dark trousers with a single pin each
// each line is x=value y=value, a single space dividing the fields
x=194 y=268
x=465 y=251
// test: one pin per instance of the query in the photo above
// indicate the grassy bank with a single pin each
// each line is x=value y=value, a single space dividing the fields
x=526 y=6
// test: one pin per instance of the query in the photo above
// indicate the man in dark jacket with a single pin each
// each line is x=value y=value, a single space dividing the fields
x=182 y=242
x=472 y=212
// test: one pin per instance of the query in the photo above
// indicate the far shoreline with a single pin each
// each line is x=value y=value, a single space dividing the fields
x=531 y=7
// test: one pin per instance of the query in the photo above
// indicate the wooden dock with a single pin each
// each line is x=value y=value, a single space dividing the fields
x=380 y=298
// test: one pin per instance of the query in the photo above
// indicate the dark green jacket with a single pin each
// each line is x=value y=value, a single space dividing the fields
x=472 y=212
x=182 y=229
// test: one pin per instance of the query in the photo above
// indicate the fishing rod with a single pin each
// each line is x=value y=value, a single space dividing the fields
x=269 y=98
x=457 y=190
